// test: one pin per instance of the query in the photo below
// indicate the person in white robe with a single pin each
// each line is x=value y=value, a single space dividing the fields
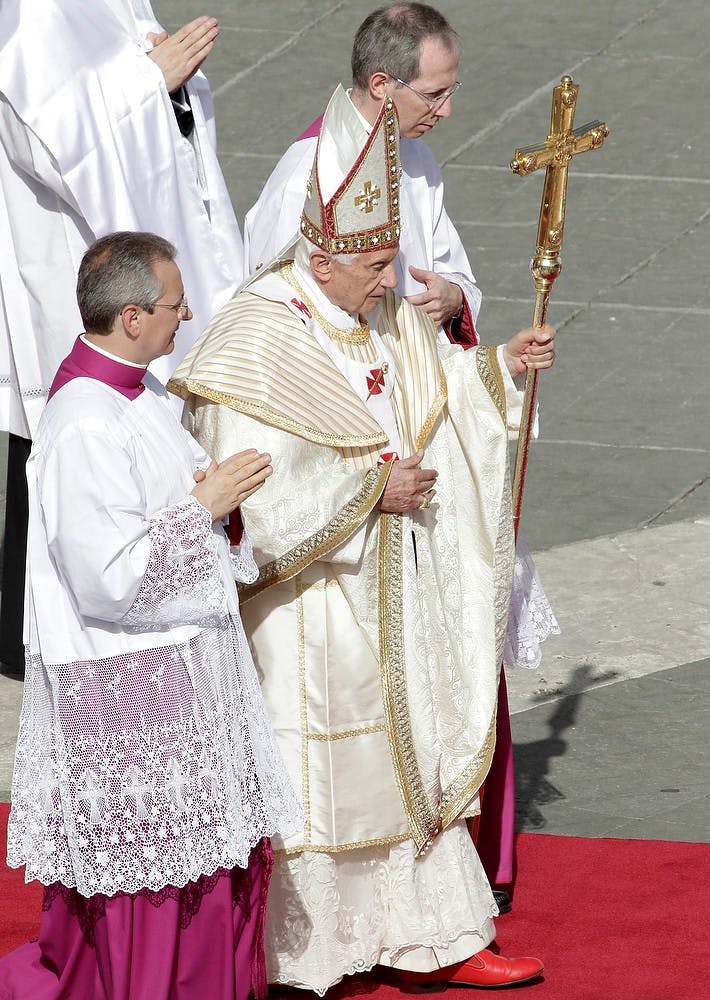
x=146 y=777
x=90 y=144
x=386 y=558
x=410 y=52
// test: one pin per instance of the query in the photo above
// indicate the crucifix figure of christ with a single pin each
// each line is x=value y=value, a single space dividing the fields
x=555 y=153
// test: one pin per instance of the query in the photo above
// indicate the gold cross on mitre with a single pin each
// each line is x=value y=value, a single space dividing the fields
x=562 y=143
x=367 y=199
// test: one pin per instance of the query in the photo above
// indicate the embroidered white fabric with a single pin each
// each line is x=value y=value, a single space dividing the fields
x=332 y=915
x=154 y=767
x=531 y=618
x=182 y=584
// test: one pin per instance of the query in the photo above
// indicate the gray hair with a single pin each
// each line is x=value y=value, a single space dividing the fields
x=304 y=249
x=389 y=41
x=118 y=270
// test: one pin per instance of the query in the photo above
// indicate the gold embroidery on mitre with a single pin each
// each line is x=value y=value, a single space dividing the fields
x=368 y=199
x=332 y=226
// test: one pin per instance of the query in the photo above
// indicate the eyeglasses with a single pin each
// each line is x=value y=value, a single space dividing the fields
x=181 y=308
x=433 y=103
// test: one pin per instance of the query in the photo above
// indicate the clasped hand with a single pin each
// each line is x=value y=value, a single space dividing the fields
x=222 y=487
x=179 y=56
x=408 y=486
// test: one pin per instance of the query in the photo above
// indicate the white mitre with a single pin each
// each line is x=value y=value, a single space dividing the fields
x=352 y=199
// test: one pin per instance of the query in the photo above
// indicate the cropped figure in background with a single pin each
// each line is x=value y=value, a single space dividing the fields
x=105 y=124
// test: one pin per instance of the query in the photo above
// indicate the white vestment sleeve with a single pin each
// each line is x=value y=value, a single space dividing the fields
x=449 y=256
x=117 y=562
x=273 y=221
x=310 y=487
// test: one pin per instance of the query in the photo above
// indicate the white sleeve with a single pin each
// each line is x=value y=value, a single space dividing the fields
x=450 y=258
x=314 y=502
x=118 y=563
x=274 y=220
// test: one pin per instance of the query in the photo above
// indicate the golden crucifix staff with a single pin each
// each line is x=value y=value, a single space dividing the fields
x=561 y=145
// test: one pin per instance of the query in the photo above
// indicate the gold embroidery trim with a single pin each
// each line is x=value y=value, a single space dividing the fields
x=382 y=728
x=423 y=823
x=336 y=848
x=490 y=374
x=347 y=520
x=455 y=798
x=263 y=412
x=303 y=702
x=359 y=334
x=434 y=412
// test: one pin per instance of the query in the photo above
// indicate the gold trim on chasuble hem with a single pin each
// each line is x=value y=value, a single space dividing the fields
x=462 y=790
x=306 y=736
x=423 y=824
x=346 y=521
x=337 y=848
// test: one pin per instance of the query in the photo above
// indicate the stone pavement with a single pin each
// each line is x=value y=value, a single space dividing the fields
x=610 y=733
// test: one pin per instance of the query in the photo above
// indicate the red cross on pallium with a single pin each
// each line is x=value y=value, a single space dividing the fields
x=303 y=307
x=387 y=456
x=375 y=383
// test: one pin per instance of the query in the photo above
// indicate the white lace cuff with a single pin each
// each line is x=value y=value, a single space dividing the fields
x=242 y=559
x=182 y=583
x=531 y=619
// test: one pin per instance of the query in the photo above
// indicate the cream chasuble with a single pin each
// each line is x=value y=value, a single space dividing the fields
x=377 y=637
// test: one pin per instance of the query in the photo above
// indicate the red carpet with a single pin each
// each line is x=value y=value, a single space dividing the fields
x=611 y=919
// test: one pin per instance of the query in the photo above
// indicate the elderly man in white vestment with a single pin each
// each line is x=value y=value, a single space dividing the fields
x=106 y=124
x=410 y=52
x=386 y=555
x=147 y=779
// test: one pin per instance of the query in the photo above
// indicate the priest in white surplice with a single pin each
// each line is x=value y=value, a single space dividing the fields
x=147 y=779
x=92 y=142
x=385 y=548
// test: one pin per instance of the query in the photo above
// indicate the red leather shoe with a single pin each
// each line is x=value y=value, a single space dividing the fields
x=484 y=971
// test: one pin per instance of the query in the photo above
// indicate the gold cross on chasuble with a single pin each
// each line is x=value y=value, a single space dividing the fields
x=555 y=153
x=368 y=198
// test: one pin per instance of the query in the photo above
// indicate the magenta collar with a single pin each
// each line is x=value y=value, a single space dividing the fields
x=84 y=362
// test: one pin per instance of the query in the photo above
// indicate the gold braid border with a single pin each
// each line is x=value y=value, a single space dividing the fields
x=460 y=792
x=434 y=412
x=347 y=520
x=262 y=411
x=424 y=825
x=490 y=374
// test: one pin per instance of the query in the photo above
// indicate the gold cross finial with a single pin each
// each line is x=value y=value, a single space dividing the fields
x=555 y=153
x=367 y=199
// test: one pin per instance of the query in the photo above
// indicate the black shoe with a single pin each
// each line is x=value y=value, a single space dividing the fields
x=502 y=901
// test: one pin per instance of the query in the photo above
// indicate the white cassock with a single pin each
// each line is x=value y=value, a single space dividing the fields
x=377 y=637
x=89 y=144
x=428 y=239
x=144 y=757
